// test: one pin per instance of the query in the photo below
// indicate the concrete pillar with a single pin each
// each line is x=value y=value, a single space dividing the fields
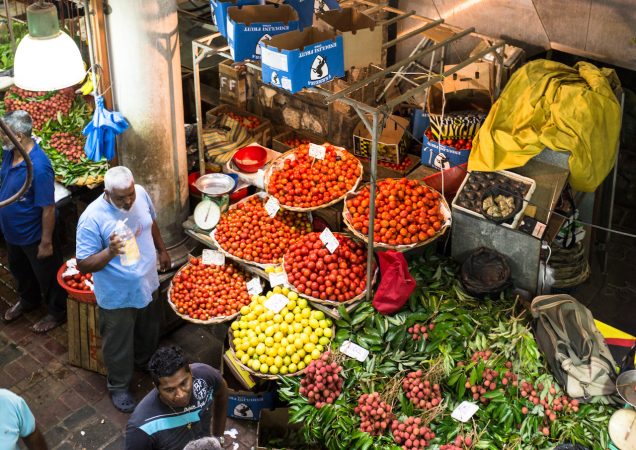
x=145 y=64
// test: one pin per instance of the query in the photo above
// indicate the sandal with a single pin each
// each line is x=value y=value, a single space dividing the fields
x=14 y=312
x=47 y=324
x=123 y=401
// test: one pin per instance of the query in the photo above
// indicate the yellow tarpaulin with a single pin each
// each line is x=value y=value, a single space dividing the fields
x=549 y=104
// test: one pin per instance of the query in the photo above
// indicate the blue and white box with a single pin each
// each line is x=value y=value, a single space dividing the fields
x=441 y=156
x=219 y=11
x=305 y=9
x=248 y=25
x=300 y=59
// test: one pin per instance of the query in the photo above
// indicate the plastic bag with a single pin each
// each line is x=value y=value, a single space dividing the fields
x=396 y=284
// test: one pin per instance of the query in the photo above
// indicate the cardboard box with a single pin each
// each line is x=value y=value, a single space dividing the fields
x=441 y=156
x=361 y=36
x=420 y=121
x=299 y=59
x=261 y=133
x=243 y=403
x=248 y=25
x=219 y=11
x=305 y=10
x=391 y=144
x=274 y=427
x=232 y=83
x=280 y=144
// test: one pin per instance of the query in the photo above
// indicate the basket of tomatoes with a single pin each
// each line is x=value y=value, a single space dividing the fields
x=408 y=214
x=78 y=285
x=301 y=182
x=207 y=293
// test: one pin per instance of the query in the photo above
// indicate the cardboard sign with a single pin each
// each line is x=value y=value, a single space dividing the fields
x=329 y=240
x=317 y=151
x=212 y=257
x=277 y=279
x=299 y=59
x=219 y=11
x=272 y=206
x=248 y=25
x=276 y=303
x=254 y=286
x=464 y=411
x=354 y=351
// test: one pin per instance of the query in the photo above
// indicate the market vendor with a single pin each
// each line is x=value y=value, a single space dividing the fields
x=28 y=226
x=188 y=400
x=126 y=291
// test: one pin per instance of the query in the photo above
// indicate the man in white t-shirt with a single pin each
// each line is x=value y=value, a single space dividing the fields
x=17 y=422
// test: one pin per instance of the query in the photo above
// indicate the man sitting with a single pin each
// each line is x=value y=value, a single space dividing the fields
x=179 y=408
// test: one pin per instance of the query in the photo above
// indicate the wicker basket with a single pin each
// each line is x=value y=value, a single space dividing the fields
x=332 y=303
x=211 y=321
x=276 y=166
x=263 y=196
x=444 y=208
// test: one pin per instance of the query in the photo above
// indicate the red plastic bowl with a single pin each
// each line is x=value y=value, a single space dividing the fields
x=82 y=296
x=251 y=158
x=192 y=177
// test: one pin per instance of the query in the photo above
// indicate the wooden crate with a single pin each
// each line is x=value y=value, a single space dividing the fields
x=387 y=172
x=261 y=134
x=84 y=340
x=232 y=83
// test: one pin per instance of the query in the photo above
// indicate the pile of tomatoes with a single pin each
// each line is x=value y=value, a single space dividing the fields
x=457 y=143
x=406 y=212
x=204 y=291
x=306 y=182
x=249 y=122
x=78 y=281
x=249 y=233
x=315 y=272
x=295 y=141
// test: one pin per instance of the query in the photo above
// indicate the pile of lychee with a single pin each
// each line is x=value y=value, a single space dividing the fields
x=421 y=392
x=375 y=414
x=460 y=443
x=411 y=434
x=420 y=331
x=322 y=383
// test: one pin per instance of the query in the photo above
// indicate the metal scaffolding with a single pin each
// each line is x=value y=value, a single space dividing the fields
x=202 y=48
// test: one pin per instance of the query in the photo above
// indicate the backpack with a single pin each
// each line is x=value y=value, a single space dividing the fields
x=576 y=351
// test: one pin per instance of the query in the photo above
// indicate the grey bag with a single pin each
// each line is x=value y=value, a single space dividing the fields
x=575 y=350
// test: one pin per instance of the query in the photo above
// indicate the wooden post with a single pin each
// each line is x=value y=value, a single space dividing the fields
x=100 y=46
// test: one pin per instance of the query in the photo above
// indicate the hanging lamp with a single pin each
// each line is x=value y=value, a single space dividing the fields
x=47 y=59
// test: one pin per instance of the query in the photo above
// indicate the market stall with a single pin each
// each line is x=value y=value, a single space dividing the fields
x=447 y=368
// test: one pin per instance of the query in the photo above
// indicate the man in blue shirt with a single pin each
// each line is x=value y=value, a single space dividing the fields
x=187 y=399
x=17 y=422
x=28 y=227
x=126 y=294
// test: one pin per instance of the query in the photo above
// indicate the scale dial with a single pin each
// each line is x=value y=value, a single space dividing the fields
x=207 y=214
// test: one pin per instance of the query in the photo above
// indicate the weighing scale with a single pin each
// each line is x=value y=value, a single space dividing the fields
x=215 y=189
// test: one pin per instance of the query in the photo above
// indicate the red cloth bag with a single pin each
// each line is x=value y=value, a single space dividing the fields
x=396 y=283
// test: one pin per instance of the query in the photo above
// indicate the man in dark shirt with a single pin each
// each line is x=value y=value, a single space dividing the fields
x=179 y=409
x=28 y=227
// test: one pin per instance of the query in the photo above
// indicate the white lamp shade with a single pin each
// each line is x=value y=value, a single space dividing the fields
x=47 y=64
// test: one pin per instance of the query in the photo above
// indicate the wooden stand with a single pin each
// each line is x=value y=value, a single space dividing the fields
x=84 y=341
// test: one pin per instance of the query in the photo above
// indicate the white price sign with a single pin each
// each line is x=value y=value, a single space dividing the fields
x=354 y=351
x=254 y=286
x=276 y=303
x=212 y=257
x=272 y=206
x=464 y=411
x=317 y=151
x=329 y=240
x=277 y=279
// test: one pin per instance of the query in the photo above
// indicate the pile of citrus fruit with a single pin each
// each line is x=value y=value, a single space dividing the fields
x=280 y=343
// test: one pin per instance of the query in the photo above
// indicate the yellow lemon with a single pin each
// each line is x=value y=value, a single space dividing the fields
x=301 y=365
x=322 y=323
x=298 y=343
x=262 y=359
x=294 y=296
x=301 y=353
x=327 y=332
x=269 y=361
x=282 y=351
x=320 y=348
x=318 y=332
x=292 y=368
x=271 y=351
x=269 y=269
x=264 y=368
x=318 y=314
x=323 y=340
x=285 y=290
x=315 y=354
x=289 y=317
x=313 y=323
x=273 y=370
x=297 y=310
x=290 y=349
x=250 y=350
x=269 y=341
x=255 y=364
x=278 y=361
x=284 y=370
x=239 y=353
x=260 y=349
x=245 y=358
x=278 y=336
x=245 y=310
x=286 y=360
x=306 y=313
x=295 y=358
x=284 y=327
x=291 y=305
x=235 y=325
x=313 y=338
x=297 y=327
x=307 y=359
x=277 y=289
x=309 y=347
x=307 y=330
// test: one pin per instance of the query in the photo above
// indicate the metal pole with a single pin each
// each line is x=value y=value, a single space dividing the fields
x=197 y=105
x=7 y=13
x=412 y=33
x=372 y=186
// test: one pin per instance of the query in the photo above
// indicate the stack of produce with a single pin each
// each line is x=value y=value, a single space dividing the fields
x=42 y=106
x=247 y=232
x=483 y=344
x=407 y=212
x=249 y=122
x=321 y=384
x=303 y=182
x=204 y=292
x=455 y=142
x=283 y=342
x=314 y=271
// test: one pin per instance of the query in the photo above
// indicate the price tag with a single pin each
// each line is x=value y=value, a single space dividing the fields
x=212 y=257
x=464 y=411
x=276 y=303
x=329 y=240
x=317 y=151
x=272 y=206
x=254 y=286
x=277 y=279
x=354 y=351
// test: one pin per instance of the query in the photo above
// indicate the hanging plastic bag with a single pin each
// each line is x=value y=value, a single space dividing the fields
x=396 y=283
x=101 y=131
